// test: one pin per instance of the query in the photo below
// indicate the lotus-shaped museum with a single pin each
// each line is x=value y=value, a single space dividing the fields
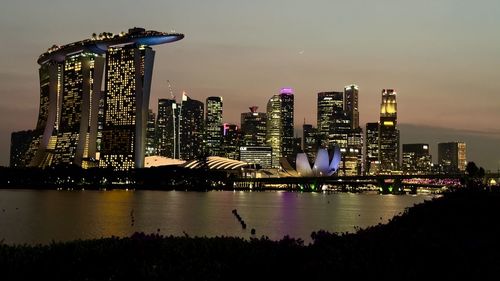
x=324 y=164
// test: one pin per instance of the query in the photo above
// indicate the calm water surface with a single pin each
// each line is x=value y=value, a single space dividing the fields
x=28 y=216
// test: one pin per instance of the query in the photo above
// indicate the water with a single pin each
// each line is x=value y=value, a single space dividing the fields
x=28 y=216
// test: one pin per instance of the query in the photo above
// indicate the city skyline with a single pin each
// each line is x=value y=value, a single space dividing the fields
x=433 y=57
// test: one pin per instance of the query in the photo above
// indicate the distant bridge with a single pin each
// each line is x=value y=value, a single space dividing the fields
x=383 y=181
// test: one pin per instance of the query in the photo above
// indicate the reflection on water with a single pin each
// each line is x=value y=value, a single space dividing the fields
x=28 y=216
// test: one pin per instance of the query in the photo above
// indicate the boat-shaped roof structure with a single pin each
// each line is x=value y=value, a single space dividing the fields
x=99 y=44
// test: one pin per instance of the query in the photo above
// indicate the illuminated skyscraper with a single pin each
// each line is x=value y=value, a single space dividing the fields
x=128 y=80
x=167 y=128
x=213 y=123
x=190 y=128
x=81 y=92
x=352 y=156
x=330 y=110
x=336 y=113
x=452 y=156
x=253 y=127
x=273 y=129
x=416 y=158
x=73 y=108
x=40 y=151
x=151 y=134
x=231 y=140
x=388 y=132
x=279 y=125
x=351 y=104
x=372 y=163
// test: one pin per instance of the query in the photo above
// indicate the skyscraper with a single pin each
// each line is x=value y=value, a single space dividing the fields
x=41 y=148
x=253 y=127
x=81 y=92
x=273 y=129
x=287 y=122
x=129 y=71
x=352 y=158
x=416 y=158
x=338 y=125
x=330 y=109
x=167 y=128
x=190 y=128
x=372 y=163
x=279 y=125
x=231 y=140
x=351 y=104
x=311 y=141
x=452 y=156
x=70 y=117
x=151 y=134
x=388 y=132
x=213 y=123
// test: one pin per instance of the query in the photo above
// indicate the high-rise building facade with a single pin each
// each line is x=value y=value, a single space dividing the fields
x=81 y=125
x=19 y=145
x=273 y=129
x=416 y=158
x=253 y=127
x=213 y=123
x=338 y=125
x=352 y=157
x=311 y=141
x=231 y=140
x=279 y=125
x=372 y=163
x=167 y=128
x=151 y=134
x=259 y=155
x=351 y=106
x=191 y=128
x=452 y=156
x=129 y=71
x=388 y=133
x=330 y=110
x=81 y=92
x=287 y=122
x=41 y=149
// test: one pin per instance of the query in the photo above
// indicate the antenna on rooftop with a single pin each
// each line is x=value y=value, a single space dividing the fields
x=170 y=89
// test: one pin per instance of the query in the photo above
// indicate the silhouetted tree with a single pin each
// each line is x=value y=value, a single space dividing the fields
x=474 y=176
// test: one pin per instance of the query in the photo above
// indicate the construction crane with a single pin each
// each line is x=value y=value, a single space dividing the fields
x=170 y=89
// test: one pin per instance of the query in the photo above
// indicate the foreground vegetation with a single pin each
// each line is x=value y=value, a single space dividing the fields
x=457 y=235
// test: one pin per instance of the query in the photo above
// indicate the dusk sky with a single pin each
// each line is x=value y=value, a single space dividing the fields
x=442 y=57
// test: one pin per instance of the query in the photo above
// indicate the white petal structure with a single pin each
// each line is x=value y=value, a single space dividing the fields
x=303 y=166
x=334 y=165
x=322 y=165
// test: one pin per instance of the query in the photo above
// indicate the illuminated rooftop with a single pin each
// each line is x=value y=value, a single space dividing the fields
x=217 y=163
x=99 y=43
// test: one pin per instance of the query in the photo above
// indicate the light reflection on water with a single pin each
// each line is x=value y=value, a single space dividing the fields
x=28 y=216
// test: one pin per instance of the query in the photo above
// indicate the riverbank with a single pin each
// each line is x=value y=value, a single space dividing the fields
x=452 y=236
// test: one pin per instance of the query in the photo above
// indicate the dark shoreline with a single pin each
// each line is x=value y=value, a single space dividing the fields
x=452 y=236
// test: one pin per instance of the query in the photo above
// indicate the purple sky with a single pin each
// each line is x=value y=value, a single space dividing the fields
x=442 y=57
